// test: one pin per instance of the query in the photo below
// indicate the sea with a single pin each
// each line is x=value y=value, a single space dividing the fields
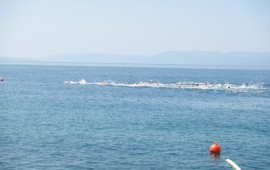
x=76 y=117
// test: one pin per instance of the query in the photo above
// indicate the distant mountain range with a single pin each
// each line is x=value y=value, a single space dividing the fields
x=242 y=59
x=12 y=59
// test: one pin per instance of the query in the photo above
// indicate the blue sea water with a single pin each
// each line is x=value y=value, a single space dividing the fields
x=88 y=117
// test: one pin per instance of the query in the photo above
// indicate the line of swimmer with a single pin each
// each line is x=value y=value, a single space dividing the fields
x=178 y=85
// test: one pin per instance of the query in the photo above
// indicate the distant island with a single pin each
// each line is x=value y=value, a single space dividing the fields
x=208 y=58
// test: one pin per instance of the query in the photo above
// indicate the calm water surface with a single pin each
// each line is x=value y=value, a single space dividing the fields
x=72 y=117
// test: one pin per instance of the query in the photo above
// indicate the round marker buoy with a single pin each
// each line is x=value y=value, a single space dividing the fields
x=215 y=149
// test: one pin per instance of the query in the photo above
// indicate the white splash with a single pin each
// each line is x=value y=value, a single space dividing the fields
x=178 y=85
x=82 y=81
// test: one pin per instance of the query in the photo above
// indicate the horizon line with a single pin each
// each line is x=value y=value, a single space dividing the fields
x=145 y=55
x=131 y=64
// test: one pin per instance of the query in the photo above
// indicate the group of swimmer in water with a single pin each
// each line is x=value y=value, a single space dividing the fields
x=179 y=85
x=205 y=84
x=183 y=85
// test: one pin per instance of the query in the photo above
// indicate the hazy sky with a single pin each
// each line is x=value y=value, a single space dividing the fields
x=38 y=28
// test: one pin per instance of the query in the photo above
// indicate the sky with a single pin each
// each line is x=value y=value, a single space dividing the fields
x=39 y=28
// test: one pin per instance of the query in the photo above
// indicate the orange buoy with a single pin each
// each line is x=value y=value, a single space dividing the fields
x=215 y=148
